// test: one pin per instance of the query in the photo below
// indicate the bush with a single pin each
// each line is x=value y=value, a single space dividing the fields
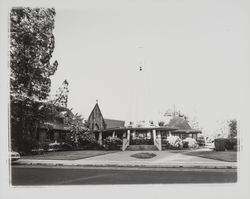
x=27 y=144
x=141 y=141
x=143 y=155
x=185 y=144
x=231 y=144
x=222 y=144
x=87 y=138
x=191 y=143
x=44 y=146
x=112 y=143
x=201 y=140
x=174 y=142
x=83 y=141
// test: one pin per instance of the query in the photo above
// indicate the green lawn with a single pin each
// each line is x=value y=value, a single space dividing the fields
x=67 y=155
x=228 y=156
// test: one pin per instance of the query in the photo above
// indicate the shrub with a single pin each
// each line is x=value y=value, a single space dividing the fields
x=231 y=144
x=44 y=146
x=87 y=138
x=141 y=141
x=143 y=155
x=185 y=144
x=175 y=142
x=55 y=146
x=220 y=144
x=112 y=143
x=192 y=143
x=27 y=144
x=201 y=140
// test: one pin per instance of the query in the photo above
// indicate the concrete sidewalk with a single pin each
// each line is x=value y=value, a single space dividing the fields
x=163 y=159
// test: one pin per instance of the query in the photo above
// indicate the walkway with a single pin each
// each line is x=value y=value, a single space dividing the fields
x=163 y=159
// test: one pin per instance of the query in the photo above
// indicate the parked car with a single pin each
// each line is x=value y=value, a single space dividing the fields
x=211 y=145
x=14 y=156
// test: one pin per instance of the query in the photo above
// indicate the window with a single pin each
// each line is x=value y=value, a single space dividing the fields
x=50 y=135
x=62 y=135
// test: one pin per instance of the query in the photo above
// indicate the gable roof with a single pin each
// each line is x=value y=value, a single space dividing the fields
x=96 y=120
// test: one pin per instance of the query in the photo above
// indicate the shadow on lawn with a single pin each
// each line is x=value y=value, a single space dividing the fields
x=227 y=156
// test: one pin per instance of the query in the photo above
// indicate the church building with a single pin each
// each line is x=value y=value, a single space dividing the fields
x=138 y=135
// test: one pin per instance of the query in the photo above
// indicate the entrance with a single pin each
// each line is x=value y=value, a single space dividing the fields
x=141 y=137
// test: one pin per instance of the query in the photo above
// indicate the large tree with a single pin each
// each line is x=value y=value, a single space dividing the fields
x=31 y=48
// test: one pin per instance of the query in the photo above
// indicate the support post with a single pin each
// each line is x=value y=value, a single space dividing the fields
x=154 y=135
x=100 y=138
x=113 y=135
x=128 y=135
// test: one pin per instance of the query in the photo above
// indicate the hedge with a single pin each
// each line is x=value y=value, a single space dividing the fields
x=222 y=144
x=112 y=143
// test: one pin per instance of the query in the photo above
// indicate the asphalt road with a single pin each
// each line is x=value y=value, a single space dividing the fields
x=41 y=175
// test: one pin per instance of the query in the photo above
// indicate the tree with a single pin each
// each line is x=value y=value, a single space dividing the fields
x=76 y=127
x=173 y=112
x=61 y=98
x=232 y=128
x=31 y=48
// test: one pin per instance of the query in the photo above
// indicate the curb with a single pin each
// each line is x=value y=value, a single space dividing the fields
x=131 y=166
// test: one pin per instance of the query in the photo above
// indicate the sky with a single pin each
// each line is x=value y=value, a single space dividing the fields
x=193 y=55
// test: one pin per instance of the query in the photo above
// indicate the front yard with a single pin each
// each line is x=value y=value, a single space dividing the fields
x=228 y=156
x=67 y=155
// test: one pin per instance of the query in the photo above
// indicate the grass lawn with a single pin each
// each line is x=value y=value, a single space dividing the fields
x=67 y=155
x=228 y=156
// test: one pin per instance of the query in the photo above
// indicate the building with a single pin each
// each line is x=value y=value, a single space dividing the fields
x=149 y=134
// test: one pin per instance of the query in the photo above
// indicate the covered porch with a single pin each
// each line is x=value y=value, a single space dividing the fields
x=136 y=136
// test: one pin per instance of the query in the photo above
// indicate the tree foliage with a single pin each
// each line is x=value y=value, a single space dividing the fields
x=61 y=98
x=31 y=47
x=232 y=128
x=76 y=127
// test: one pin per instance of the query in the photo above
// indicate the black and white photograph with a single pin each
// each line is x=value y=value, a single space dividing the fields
x=140 y=95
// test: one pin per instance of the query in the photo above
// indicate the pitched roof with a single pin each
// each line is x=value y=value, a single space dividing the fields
x=110 y=123
x=96 y=120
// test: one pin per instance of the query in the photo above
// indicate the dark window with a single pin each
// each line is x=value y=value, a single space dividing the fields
x=62 y=135
x=50 y=135
x=37 y=135
x=47 y=135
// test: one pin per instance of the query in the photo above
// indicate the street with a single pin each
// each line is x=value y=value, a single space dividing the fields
x=54 y=175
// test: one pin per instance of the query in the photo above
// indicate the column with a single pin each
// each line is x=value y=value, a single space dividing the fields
x=128 y=135
x=113 y=135
x=169 y=133
x=154 y=135
x=100 y=138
